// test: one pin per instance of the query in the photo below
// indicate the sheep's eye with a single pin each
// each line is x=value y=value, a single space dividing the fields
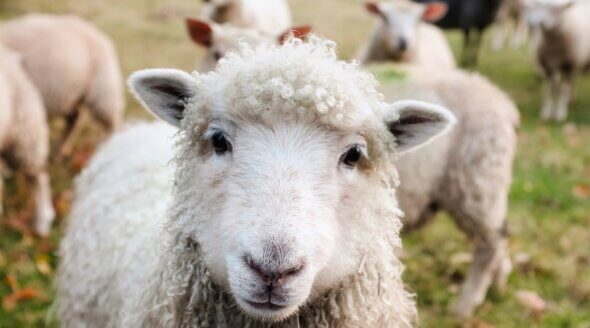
x=352 y=156
x=217 y=55
x=220 y=143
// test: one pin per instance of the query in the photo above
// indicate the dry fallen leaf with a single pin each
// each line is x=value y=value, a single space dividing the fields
x=581 y=191
x=63 y=202
x=9 y=302
x=42 y=262
x=532 y=301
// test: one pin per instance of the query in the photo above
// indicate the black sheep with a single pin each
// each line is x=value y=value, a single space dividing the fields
x=472 y=17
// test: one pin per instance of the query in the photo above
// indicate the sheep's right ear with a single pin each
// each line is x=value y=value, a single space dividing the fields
x=415 y=123
x=299 y=32
x=373 y=8
x=200 y=32
x=164 y=92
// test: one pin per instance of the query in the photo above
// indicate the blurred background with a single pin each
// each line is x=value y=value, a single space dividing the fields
x=549 y=203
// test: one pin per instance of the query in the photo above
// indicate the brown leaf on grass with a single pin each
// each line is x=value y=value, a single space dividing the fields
x=532 y=301
x=581 y=191
x=20 y=222
x=42 y=263
x=11 y=282
x=81 y=157
x=63 y=202
x=9 y=302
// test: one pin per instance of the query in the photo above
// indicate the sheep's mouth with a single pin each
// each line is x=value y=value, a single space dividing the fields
x=268 y=306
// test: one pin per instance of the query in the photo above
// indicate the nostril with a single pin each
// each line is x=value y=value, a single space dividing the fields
x=294 y=270
x=273 y=278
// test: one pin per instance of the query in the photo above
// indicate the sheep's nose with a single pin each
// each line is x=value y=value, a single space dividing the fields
x=273 y=278
x=403 y=44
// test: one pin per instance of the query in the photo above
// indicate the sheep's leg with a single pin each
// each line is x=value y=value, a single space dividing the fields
x=551 y=89
x=500 y=36
x=520 y=33
x=67 y=140
x=467 y=42
x=564 y=92
x=489 y=259
x=41 y=189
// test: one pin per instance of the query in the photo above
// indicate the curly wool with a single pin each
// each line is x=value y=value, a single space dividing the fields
x=177 y=289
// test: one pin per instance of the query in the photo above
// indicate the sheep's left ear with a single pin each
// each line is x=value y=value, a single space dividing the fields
x=434 y=11
x=164 y=92
x=415 y=123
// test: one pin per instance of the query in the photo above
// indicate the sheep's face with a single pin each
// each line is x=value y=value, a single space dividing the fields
x=545 y=14
x=400 y=20
x=285 y=188
x=276 y=203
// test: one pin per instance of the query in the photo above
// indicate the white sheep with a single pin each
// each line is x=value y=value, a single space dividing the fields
x=280 y=210
x=24 y=136
x=563 y=49
x=267 y=16
x=218 y=39
x=466 y=173
x=401 y=34
x=72 y=64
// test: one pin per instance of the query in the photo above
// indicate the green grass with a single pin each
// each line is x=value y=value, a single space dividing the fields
x=549 y=202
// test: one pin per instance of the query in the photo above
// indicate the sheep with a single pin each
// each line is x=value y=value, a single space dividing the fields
x=562 y=51
x=72 y=64
x=221 y=38
x=267 y=16
x=24 y=136
x=402 y=36
x=512 y=27
x=279 y=211
x=466 y=173
x=472 y=17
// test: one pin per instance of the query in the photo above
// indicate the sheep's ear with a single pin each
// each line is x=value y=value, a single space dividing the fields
x=434 y=11
x=299 y=32
x=414 y=123
x=200 y=32
x=373 y=8
x=164 y=92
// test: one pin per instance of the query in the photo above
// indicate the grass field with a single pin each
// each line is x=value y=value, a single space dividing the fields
x=549 y=203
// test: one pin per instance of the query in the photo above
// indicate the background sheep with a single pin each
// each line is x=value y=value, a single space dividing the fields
x=512 y=25
x=254 y=232
x=24 y=137
x=563 y=49
x=72 y=64
x=466 y=173
x=402 y=36
x=267 y=16
x=219 y=39
x=472 y=17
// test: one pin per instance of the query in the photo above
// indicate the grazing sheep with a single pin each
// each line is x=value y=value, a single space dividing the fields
x=267 y=16
x=219 y=39
x=281 y=210
x=466 y=173
x=72 y=64
x=512 y=25
x=473 y=17
x=563 y=49
x=402 y=36
x=24 y=136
